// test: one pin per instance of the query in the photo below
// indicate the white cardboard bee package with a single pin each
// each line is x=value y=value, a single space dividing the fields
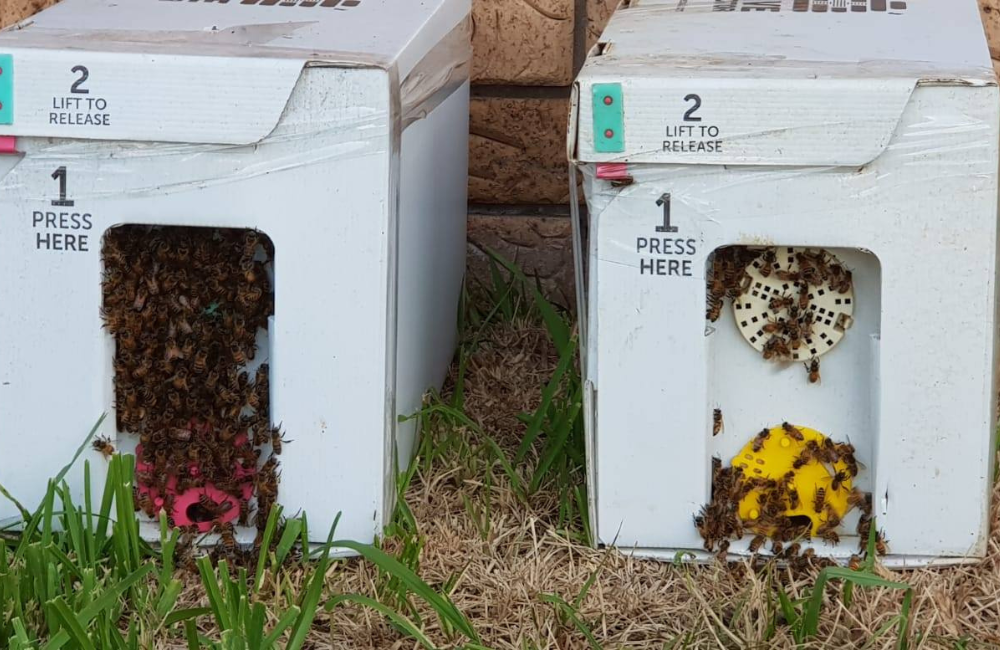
x=863 y=127
x=337 y=128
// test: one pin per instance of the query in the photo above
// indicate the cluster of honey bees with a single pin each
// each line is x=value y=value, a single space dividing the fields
x=719 y=521
x=792 y=321
x=184 y=306
x=727 y=277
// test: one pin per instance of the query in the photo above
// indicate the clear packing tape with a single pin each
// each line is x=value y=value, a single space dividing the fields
x=935 y=143
x=310 y=130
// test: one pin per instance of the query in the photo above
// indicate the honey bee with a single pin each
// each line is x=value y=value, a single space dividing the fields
x=208 y=503
x=783 y=301
x=792 y=431
x=845 y=282
x=832 y=518
x=829 y=452
x=250 y=241
x=249 y=270
x=838 y=480
x=830 y=536
x=805 y=456
x=244 y=512
x=714 y=309
x=723 y=553
x=756 y=543
x=793 y=498
x=212 y=379
x=126 y=339
x=813 y=369
x=776 y=547
x=758 y=441
x=113 y=321
x=227 y=538
x=881 y=546
x=103 y=445
x=249 y=296
x=276 y=439
x=769 y=258
x=172 y=351
x=239 y=355
x=804 y=298
x=776 y=347
x=788 y=276
x=179 y=380
x=819 y=500
x=773 y=326
x=141 y=296
x=860 y=500
x=792 y=550
x=794 y=335
x=854 y=563
x=146 y=505
x=142 y=370
x=716 y=422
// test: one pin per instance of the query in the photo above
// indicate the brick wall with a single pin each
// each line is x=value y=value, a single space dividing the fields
x=527 y=55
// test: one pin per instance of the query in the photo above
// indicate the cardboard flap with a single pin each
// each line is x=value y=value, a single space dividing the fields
x=145 y=97
x=733 y=121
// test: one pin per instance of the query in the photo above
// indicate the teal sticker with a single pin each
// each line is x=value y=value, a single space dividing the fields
x=6 y=89
x=609 y=119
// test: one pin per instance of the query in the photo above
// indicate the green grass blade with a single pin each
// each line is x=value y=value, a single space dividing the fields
x=71 y=624
x=567 y=611
x=168 y=598
x=187 y=614
x=556 y=445
x=255 y=627
x=862 y=579
x=214 y=594
x=556 y=325
x=25 y=515
x=104 y=602
x=265 y=545
x=904 y=621
x=310 y=600
x=191 y=635
x=288 y=538
x=64 y=561
x=86 y=442
x=566 y=356
x=810 y=623
x=399 y=620
x=500 y=291
x=442 y=605
x=516 y=484
x=286 y=621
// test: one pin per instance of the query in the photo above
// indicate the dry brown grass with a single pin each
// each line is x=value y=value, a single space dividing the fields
x=633 y=603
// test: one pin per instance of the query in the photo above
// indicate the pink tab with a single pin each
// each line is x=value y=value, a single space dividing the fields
x=8 y=144
x=612 y=171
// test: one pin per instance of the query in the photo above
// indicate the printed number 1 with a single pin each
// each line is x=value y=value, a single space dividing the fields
x=60 y=175
x=665 y=202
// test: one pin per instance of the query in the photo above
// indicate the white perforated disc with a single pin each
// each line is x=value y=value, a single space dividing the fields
x=833 y=312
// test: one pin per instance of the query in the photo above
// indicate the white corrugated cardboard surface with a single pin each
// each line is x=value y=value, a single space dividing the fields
x=906 y=193
x=357 y=174
x=693 y=37
x=777 y=87
x=212 y=72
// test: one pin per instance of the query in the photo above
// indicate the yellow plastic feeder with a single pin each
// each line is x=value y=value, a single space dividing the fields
x=775 y=459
